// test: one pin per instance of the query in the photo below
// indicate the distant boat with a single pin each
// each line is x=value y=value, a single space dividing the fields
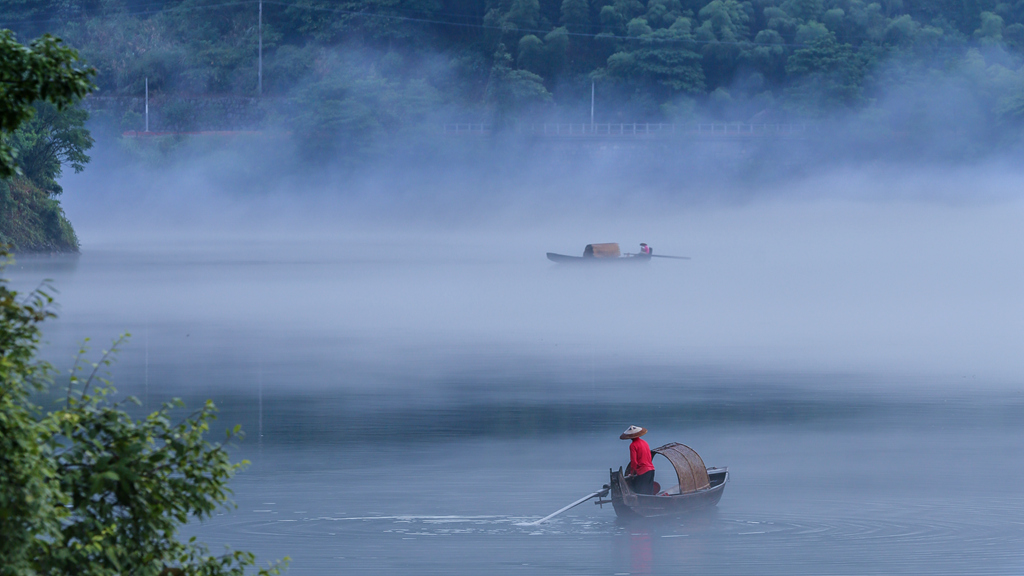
x=699 y=487
x=606 y=253
x=599 y=253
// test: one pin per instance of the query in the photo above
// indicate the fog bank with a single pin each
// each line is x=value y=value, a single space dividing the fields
x=900 y=271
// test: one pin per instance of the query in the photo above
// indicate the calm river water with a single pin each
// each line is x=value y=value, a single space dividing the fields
x=406 y=413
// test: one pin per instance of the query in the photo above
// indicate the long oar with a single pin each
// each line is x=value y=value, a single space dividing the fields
x=573 y=505
x=673 y=257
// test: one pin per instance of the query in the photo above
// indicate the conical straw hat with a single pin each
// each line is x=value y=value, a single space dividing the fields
x=633 y=432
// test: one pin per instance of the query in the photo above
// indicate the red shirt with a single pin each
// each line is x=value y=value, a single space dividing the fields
x=640 y=456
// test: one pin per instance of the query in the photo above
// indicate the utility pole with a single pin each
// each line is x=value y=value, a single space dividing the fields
x=259 y=89
x=259 y=380
x=147 y=104
x=591 y=106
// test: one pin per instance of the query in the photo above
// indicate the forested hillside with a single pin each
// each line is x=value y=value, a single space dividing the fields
x=376 y=65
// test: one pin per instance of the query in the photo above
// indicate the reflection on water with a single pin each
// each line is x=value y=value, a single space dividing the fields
x=405 y=416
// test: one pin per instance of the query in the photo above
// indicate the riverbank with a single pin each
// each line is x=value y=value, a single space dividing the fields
x=32 y=221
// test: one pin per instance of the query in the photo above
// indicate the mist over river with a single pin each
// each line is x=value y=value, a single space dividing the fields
x=331 y=219
x=412 y=392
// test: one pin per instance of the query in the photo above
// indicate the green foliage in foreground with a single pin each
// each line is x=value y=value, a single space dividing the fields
x=87 y=489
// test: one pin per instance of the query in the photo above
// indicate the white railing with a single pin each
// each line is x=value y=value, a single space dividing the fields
x=466 y=129
x=740 y=128
x=644 y=129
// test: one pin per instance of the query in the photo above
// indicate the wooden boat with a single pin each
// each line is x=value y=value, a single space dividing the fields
x=699 y=487
x=599 y=253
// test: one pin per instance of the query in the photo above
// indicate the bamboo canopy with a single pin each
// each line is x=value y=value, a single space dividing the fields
x=607 y=250
x=690 y=469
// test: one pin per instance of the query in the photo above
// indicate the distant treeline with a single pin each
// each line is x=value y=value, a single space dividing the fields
x=373 y=66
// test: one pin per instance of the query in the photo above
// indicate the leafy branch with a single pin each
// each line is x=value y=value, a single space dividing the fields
x=89 y=489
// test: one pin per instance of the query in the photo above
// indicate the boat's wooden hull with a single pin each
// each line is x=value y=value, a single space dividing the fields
x=563 y=259
x=629 y=504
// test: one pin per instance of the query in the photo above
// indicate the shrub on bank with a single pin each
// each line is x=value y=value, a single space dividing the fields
x=33 y=221
x=87 y=489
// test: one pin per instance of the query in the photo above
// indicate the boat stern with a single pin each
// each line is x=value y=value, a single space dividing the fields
x=622 y=496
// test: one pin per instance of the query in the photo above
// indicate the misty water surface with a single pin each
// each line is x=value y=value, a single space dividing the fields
x=413 y=388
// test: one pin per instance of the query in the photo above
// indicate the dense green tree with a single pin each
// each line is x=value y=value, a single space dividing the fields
x=125 y=50
x=370 y=20
x=352 y=103
x=803 y=10
x=523 y=14
x=616 y=15
x=612 y=21
x=722 y=31
x=532 y=55
x=778 y=21
x=725 y=20
x=663 y=13
x=314 y=19
x=207 y=47
x=221 y=46
x=767 y=55
x=663 y=57
x=990 y=30
x=509 y=90
x=902 y=30
x=576 y=15
x=1013 y=35
x=827 y=74
x=638 y=27
x=53 y=138
x=285 y=67
x=833 y=20
x=556 y=45
x=810 y=33
x=30 y=18
x=44 y=70
x=868 y=22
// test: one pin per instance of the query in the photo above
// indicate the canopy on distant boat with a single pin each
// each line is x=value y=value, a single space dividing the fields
x=606 y=250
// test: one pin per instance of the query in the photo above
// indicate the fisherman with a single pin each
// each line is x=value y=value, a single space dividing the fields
x=645 y=249
x=640 y=472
